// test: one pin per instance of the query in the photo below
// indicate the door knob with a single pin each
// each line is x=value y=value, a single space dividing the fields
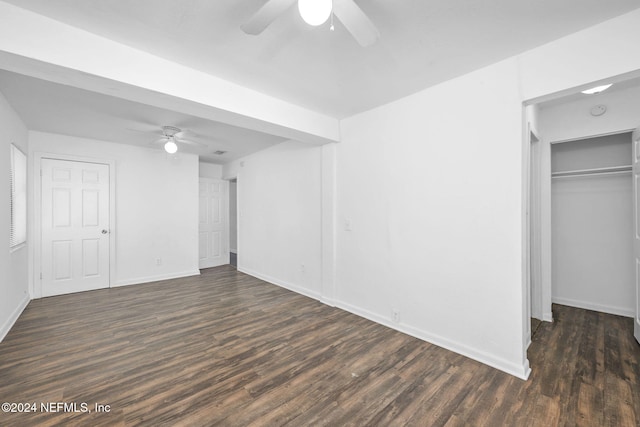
x=104 y=231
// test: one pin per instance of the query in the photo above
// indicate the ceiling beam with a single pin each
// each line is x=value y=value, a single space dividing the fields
x=40 y=47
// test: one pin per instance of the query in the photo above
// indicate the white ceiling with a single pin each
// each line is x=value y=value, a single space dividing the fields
x=422 y=43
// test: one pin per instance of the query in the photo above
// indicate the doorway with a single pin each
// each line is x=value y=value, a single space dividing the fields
x=233 y=222
x=75 y=234
x=592 y=224
x=212 y=230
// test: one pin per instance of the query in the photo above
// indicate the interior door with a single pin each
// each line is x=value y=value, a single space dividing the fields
x=636 y=218
x=213 y=225
x=75 y=226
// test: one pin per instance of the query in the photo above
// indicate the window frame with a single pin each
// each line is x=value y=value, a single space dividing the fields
x=17 y=198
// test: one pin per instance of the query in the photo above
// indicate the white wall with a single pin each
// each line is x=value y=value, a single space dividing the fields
x=156 y=206
x=233 y=217
x=210 y=170
x=279 y=204
x=14 y=293
x=592 y=227
x=430 y=186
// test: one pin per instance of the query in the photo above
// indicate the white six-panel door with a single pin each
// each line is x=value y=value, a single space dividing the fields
x=75 y=226
x=636 y=227
x=213 y=224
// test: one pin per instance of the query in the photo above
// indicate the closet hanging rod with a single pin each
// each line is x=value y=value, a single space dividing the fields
x=594 y=171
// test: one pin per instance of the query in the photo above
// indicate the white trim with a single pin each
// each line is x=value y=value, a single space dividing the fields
x=618 y=311
x=36 y=237
x=328 y=225
x=599 y=135
x=8 y=324
x=158 y=278
x=511 y=368
x=547 y=317
x=525 y=264
x=290 y=286
x=526 y=234
x=238 y=220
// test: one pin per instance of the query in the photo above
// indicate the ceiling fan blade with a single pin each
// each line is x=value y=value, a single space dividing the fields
x=265 y=16
x=150 y=129
x=160 y=141
x=356 y=22
x=190 y=142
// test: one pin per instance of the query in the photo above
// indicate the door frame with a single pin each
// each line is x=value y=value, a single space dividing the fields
x=532 y=230
x=535 y=228
x=635 y=146
x=229 y=179
x=36 y=222
x=225 y=223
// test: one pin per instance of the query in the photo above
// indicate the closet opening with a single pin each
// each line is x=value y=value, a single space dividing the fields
x=592 y=224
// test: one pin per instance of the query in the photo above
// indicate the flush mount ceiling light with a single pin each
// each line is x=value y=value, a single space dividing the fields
x=596 y=89
x=170 y=147
x=315 y=12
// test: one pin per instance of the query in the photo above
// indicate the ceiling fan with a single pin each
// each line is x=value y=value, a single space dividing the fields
x=316 y=12
x=171 y=137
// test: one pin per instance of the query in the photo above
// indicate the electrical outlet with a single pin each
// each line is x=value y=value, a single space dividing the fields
x=396 y=316
x=302 y=268
x=158 y=261
x=347 y=225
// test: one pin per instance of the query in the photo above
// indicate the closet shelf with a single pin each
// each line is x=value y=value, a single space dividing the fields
x=593 y=171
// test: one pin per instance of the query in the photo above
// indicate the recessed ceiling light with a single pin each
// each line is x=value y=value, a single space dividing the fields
x=596 y=89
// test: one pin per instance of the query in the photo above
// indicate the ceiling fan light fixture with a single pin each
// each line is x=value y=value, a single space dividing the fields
x=315 y=12
x=170 y=147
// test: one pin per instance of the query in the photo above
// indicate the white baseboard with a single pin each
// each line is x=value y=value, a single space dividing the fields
x=619 y=311
x=547 y=317
x=290 y=286
x=519 y=371
x=8 y=324
x=147 y=279
x=328 y=301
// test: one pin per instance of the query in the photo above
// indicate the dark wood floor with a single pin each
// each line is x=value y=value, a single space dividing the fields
x=228 y=349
